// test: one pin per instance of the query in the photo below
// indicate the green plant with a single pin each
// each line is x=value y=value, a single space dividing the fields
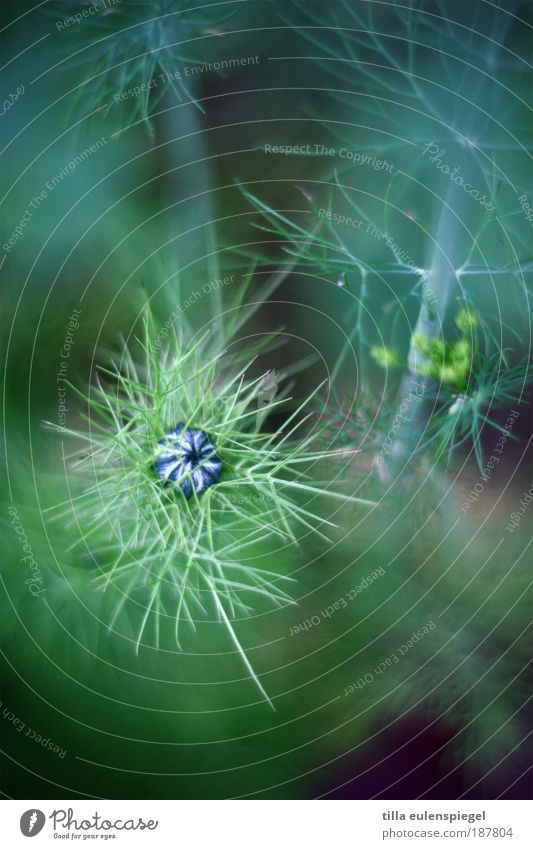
x=438 y=225
x=135 y=53
x=175 y=551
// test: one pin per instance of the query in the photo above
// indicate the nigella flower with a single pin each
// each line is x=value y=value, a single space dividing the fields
x=150 y=552
x=190 y=460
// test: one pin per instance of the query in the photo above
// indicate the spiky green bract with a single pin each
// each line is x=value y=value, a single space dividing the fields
x=181 y=559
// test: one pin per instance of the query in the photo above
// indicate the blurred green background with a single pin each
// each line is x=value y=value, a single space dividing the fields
x=161 y=207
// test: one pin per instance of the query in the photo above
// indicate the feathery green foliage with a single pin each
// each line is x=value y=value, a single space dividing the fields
x=138 y=48
x=469 y=375
x=181 y=558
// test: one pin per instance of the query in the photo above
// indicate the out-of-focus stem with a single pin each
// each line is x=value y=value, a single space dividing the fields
x=189 y=179
x=441 y=281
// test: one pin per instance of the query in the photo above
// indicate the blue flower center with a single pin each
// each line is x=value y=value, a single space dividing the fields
x=189 y=460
